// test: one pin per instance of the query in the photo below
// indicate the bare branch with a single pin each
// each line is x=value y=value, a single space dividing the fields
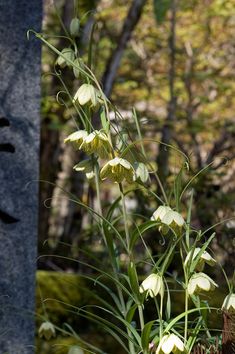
x=130 y=22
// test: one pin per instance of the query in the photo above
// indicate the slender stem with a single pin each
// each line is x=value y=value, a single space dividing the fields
x=161 y=316
x=186 y=295
x=159 y=313
x=131 y=345
x=139 y=132
x=186 y=313
x=120 y=294
x=125 y=218
x=141 y=317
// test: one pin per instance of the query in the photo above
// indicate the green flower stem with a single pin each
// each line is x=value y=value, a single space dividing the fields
x=130 y=343
x=186 y=294
x=141 y=317
x=186 y=313
x=161 y=316
x=125 y=218
x=144 y=154
x=113 y=262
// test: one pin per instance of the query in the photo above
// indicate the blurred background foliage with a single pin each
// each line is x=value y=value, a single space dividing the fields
x=173 y=60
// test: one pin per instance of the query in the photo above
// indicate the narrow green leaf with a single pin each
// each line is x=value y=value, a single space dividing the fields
x=145 y=335
x=134 y=280
x=131 y=313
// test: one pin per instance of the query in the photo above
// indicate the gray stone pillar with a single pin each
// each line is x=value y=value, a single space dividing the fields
x=19 y=161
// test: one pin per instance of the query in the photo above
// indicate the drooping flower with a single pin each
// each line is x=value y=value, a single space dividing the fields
x=153 y=285
x=170 y=343
x=46 y=330
x=88 y=94
x=67 y=53
x=200 y=282
x=87 y=167
x=141 y=171
x=160 y=213
x=117 y=170
x=75 y=350
x=76 y=138
x=204 y=258
x=97 y=142
x=77 y=64
x=229 y=303
x=172 y=220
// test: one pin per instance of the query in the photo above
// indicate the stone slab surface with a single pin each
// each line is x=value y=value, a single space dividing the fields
x=19 y=161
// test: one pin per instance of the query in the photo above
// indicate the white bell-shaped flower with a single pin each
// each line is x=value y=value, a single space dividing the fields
x=46 y=330
x=173 y=220
x=87 y=167
x=68 y=53
x=76 y=138
x=153 y=285
x=204 y=258
x=229 y=303
x=170 y=343
x=117 y=170
x=200 y=282
x=160 y=212
x=97 y=142
x=88 y=94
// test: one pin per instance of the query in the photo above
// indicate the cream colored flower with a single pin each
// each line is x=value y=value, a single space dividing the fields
x=170 y=343
x=46 y=330
x=141 y=171
x=204 y=258
x=76 y=138
x=160 y=213
x=97 y=142
x=172 y=220
x=68 y=53
x=75 y=350
x=88 y=94
x=200 y=282
x=117 y=170
x=87 y=167
x=229 y=303
x=153 y=285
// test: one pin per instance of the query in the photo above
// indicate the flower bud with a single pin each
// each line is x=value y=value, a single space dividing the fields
x=68 y=53
x=117 y=170
x=204 y=258
x=170 y=343
x=229 y=303
x=87 y=167
x=74 y=27
x=75 y=350
x=76 y=71
x=200 y=282
x=153 y=285
x=97 y=142
x=172 y=220
x=141 y=171
x=76 y=138
x=88 y=94
x=46 y=330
